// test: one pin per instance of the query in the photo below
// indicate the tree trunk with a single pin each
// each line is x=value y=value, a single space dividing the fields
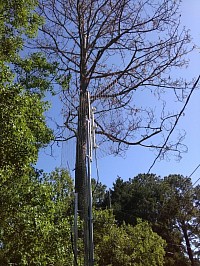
x=187 y=241
x=81 y=153
x=81 y=179
x=81 y=144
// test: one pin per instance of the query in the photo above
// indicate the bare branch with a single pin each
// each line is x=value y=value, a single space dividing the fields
x=176 y=122
x=123 y=52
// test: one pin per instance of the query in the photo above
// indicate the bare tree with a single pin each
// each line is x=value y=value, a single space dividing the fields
x=124 y=53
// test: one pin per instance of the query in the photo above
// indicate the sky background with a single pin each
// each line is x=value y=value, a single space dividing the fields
x=138 y=160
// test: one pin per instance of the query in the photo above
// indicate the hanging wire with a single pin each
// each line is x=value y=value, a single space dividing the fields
x=97 y=171
x=196 y=181
x=97 y=167
x=174 y=126
x=193 y=173
x=68 y=142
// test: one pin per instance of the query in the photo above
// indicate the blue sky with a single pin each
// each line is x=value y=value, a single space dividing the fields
x=138 y=160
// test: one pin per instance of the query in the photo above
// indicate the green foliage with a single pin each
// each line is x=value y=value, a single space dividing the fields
x=18 y=23
x=17 y=19
x=63 y=81
x=98 y=192
x=139 y=197
x=125 y=245
x=23 y=127
x=36 y=210
x=185 y=212
x=169 y=204
x=36 y=226
x=36 y=220
x=35 y=74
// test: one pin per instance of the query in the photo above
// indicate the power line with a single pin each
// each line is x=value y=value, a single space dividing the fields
x=174 y=125
x=194 y=170
x=196 y=181
x=193 y=173
x=97 y=173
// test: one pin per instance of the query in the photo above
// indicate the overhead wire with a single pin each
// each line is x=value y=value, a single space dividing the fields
x=193 y=173
x=176 y=122
x=196 y=181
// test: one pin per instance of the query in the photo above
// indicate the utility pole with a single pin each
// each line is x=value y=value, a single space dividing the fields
x=75 y=228
x=90 y=146
x=86 y=212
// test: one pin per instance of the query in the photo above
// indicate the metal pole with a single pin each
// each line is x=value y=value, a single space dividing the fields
x=90 y=217
x=75 y=228
x=89 y=160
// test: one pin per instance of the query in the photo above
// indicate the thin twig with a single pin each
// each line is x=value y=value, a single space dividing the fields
x=176 y=122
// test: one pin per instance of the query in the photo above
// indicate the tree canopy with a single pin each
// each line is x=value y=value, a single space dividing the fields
x=119 y=50
x=17 y=20
x=36 y=220
x=126 y=245
x=120 y=53
x=171 y=205
x=106 y=48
